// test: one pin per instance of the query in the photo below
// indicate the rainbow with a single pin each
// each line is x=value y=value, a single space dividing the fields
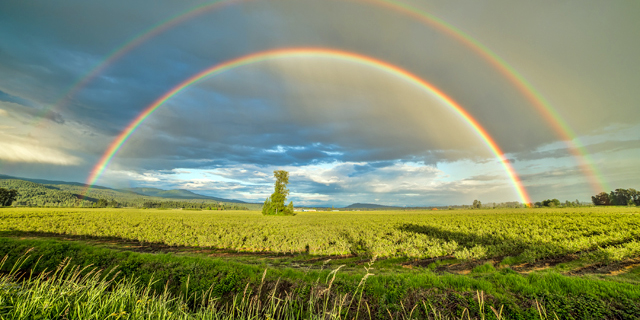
x=308 y=53
x=560 y=126
x=563 y=130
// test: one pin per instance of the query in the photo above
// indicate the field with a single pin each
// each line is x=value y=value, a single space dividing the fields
x=525 y=260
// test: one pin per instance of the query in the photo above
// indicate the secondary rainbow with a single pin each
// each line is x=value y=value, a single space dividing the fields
x=542 y=105
x=309 y=53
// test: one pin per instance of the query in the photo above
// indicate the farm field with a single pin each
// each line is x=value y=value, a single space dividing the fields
x=447 y=258
x=610 y=234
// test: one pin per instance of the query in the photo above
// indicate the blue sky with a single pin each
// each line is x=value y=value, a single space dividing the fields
x=346 y=132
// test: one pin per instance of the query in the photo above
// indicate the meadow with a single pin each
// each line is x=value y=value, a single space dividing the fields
x=529 y=234
x=569 y=263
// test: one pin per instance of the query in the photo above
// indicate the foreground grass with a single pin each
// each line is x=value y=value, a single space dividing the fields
x=170 y=286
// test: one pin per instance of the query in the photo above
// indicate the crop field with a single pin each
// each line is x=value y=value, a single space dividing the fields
x=564 y=263
x=529 y=234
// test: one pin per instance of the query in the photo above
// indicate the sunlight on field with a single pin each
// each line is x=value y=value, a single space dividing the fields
x=608 y=234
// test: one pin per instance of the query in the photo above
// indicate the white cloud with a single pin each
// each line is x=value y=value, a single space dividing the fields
x=33 y=153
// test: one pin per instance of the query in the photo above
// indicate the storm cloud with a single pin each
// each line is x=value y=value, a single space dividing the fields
x=347 y=132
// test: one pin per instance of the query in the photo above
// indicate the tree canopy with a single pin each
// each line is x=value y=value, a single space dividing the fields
x=274 y=205
x=619 y=197
x=7 y=197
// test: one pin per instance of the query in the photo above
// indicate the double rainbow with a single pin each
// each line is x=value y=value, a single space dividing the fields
x=310 y=53
x=538 y=101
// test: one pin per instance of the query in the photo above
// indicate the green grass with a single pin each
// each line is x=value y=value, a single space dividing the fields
x=448 y=294
x=418 y=254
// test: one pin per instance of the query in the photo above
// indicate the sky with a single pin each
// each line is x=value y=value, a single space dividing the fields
x=72 y=80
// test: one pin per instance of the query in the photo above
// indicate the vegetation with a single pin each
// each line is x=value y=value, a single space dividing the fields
x=167 y=286
x=7 y=197
x=274 y=205
x=32 y=194
x=610 y=233
x=619 y=197
x=207 y=264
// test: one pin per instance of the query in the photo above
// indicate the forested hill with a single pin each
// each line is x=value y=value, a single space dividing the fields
x=368 y=206
x=371 y=206
x=68 y=194
x=36 y=194
x=176 y=194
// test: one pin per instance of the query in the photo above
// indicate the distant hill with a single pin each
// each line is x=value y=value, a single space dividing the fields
x=177 y=194
x=368 y=206
x=371 y=206
x=51 y=182
x=40 y=192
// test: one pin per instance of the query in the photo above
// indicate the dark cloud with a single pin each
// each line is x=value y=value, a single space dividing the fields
x=309 y=112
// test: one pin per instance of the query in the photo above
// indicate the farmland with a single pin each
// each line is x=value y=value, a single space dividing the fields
x=529 y=234
x=516 y=256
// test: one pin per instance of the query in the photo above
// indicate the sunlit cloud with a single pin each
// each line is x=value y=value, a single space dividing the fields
x=22 y=150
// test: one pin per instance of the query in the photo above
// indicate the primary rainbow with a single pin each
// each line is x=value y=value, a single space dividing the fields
x=309 y=53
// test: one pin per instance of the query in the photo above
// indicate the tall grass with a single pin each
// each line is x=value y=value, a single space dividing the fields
x=75 y=292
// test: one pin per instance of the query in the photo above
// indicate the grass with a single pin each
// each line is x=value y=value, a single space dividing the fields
x=225 y=281
x=473 y=279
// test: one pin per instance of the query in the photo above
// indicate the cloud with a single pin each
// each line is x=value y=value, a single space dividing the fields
x=30 y=152
x=343 y=128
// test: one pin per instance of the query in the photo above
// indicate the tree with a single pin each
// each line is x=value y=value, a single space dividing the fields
x=635 y=196
x=274 y=205
x=619 y=197
x=551 y=203
x=477 y=204
x=7 y=197
x=601 y=199
x=102 y=203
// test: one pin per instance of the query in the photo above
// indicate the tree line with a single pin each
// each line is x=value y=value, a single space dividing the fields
x=619 y=197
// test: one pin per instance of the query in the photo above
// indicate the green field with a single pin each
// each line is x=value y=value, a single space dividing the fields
x=525 y=260
x=609 y=233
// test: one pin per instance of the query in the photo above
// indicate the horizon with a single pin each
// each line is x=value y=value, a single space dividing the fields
x=419 y=104
x=326 y=205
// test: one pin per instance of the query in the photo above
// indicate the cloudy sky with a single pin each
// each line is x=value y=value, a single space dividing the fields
x=347 y=132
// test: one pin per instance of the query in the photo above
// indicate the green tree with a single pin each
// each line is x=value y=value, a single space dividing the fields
x=601 y=199
x=551 y=203
x=102 y=203
x=7 y=197
x=635 y=196
x=274 y=205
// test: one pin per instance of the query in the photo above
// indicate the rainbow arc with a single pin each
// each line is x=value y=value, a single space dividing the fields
x=551 y=115
x=288 y=53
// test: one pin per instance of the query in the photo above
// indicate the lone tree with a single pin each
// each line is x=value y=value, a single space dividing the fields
x=7 y=197
x=274 y=205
